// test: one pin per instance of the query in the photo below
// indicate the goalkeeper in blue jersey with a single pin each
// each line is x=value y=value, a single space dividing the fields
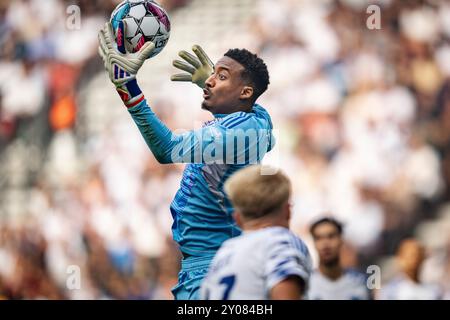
x=240 y=134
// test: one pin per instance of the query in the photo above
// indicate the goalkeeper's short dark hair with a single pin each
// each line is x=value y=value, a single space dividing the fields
x=255 y=70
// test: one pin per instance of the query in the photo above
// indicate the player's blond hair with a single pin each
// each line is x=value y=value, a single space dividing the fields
x=256 y=195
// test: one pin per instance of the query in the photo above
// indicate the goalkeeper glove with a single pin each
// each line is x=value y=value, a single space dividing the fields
x=198 y=69
x=122 y=66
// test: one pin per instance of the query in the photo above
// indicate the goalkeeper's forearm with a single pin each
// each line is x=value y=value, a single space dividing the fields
x=158 y=137
x=156 y=134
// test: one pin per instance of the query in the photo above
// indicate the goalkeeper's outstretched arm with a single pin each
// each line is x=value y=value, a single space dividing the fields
x=159 y=138
x=166 y=146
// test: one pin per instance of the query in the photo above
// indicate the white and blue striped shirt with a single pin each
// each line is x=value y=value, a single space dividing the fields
x=249 y=266
x=352 y=285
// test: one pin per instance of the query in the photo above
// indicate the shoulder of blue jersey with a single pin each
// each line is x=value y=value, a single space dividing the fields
x=235 y=119
x=244 y=120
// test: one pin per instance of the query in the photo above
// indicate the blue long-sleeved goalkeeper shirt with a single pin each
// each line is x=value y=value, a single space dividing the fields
x=202 y=213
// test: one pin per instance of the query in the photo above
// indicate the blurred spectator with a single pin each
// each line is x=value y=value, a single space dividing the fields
x=407 y=285
x=331 y=281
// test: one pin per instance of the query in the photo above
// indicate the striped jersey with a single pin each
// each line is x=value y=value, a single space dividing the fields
x=352 y=285
x=249 y=266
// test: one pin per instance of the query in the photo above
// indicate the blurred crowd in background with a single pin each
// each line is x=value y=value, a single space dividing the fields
x=362 y=119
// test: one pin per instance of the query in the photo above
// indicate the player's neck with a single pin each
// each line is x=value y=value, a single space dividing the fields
x=257 y=224
x=413 y=275
x=232 y=109
x=332 y=272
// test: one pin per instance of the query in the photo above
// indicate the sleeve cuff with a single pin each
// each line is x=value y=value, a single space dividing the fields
x=297 y=272
x=131 y=94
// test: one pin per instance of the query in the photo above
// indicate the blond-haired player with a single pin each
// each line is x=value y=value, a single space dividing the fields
x=267 y=261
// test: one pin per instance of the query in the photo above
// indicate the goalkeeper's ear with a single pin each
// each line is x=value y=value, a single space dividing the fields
x=246 y=93
x=120 y=38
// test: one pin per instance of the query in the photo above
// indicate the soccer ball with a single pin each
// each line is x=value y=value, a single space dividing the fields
x=145 y=21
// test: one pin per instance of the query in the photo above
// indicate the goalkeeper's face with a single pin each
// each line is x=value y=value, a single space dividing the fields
x=225 y=90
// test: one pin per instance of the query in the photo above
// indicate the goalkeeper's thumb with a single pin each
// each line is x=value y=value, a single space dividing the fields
x=146 y=50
